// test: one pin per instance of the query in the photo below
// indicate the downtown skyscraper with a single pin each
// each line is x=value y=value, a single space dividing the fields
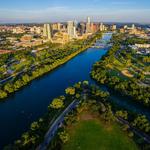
x=47 y=32
x=88 y=25
x=71 y=29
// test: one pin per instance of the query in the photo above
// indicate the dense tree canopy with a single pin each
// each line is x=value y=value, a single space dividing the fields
x=30 y=66
x=104 y=75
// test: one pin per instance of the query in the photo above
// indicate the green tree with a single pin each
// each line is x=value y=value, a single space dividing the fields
x=122 y=114
x=26 y=138
x=35 y=126
x=64 y=136
x=108 y=115
x=70 y=91
x=142 y=123
x=78 y=96
x=57 y=103
x=9 y=88
x=26 y=78
x=3 y=94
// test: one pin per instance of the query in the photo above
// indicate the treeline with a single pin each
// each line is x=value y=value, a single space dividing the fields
x=146 y=59
x=45 y=63
x=102 y=100
x=91 y=99
x=35 y=135
x=130 y=87
x=97 y=103
x=135 y=40
x=126 y=40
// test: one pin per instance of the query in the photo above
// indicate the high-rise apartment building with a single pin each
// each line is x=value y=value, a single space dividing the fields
x=56 y=26
x=47 y=32
x=36 y=30
x=133 y=26
x=88 y=25
x=82 y=28
x=102 y=27
x=88 y=20
x=71 y=30
x=125 y=27
x=114 y=27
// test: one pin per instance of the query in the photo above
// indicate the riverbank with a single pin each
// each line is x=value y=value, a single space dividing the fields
x=96 y=106
x=89 y=99
x=30 y=103
x=10 y=88
x=108 y=71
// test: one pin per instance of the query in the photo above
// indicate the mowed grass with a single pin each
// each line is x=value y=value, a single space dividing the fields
x=94 y=135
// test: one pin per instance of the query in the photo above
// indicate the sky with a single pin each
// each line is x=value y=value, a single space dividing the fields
x=28 y=11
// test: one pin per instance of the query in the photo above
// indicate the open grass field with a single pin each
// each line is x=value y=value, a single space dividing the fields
x=91 y=134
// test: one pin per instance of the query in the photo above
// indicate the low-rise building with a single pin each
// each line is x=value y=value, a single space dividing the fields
x=142 y=45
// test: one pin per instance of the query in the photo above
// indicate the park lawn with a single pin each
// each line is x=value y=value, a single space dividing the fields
x=94 y=135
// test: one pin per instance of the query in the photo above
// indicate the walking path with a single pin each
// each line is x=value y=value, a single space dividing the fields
x=57 y=123
x=135 y=130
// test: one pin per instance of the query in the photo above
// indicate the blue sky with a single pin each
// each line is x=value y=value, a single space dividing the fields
x=63 y=10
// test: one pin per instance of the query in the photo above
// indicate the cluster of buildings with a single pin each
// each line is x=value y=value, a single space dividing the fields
x=21 y=29
x=28 y=40
x=143 y=49
x=23 y=36
x=136 y=31
x=20 y=37
x=63 y=33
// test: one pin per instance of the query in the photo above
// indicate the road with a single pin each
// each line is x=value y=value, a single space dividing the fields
x=23 y=71
x=135 y=130
x=54 y=125
x=57 y=123
x=16 y=74
x=12 y=76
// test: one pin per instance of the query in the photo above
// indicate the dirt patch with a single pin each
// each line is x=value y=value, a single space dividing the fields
x=86 y=116
x=127 y=73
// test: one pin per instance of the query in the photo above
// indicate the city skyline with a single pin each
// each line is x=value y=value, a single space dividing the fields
x=63 y=10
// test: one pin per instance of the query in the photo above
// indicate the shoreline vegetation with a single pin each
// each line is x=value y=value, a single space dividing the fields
x=12 y=87
x=111 y=71
x=92 y=103
x=92 y=100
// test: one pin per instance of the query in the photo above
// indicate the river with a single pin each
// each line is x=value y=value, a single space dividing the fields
x=30 y=103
